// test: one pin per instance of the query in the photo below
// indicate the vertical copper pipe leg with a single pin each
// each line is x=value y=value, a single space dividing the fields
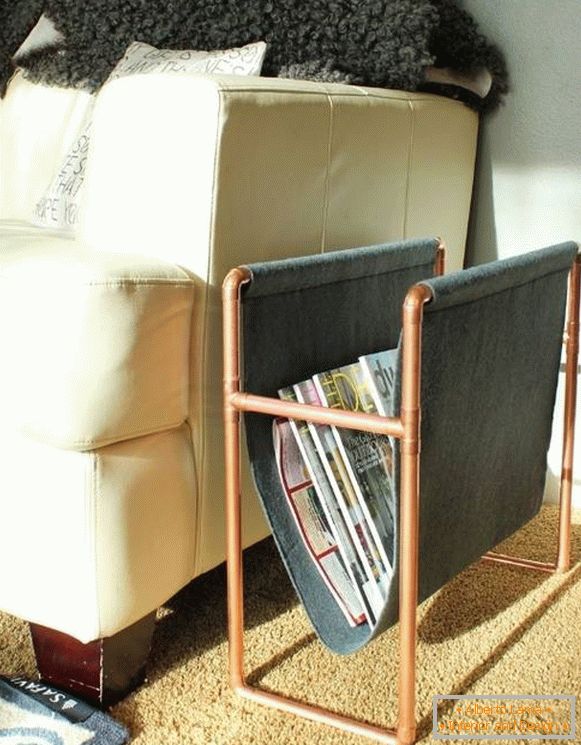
x=234 y=557
x=409 y=510
x=409 y=521
x=572 y=355
x=406 y=729
x=231 y=320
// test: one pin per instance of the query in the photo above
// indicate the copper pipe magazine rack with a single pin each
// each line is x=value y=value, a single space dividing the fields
x=406 y=428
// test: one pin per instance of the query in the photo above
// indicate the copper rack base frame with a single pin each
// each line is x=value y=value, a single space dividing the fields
x=406 y=427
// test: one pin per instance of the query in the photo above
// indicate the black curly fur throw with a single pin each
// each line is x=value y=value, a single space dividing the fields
x=382 y=43
x=17 y=19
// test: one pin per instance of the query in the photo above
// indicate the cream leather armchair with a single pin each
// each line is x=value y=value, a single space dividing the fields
x=111 y=472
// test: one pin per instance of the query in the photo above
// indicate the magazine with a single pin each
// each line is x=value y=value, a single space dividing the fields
x=375 y=588
x=328 y=501
x=368 y=457
x=380 y=371
x=313 y=523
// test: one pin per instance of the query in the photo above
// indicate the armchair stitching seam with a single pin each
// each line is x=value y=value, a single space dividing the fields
x=177 y=284
x=409 y=170
x=327 y=174
x=130 y=435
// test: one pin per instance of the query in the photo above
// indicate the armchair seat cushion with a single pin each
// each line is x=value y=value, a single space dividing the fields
x=96 y=346
x=95 y=540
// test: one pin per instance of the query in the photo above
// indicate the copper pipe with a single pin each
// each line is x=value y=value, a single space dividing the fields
x=318 y=414
x=231 y=322
x=572 y=355
x=233 y=403
x=571 y=341
x=440 y=265
x=317 y=714
x=413 y=308
x=408 y=429
x=539 y=566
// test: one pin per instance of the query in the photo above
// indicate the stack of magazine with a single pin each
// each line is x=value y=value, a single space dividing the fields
x=339 y=484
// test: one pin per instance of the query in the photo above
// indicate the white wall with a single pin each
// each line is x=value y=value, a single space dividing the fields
x=528 y=184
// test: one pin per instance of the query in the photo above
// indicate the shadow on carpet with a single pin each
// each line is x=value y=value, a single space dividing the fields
x=199 y=611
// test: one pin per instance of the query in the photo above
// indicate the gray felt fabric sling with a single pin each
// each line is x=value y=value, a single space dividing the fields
x=491 y=349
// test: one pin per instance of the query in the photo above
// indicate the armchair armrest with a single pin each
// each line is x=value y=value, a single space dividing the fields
x=213 y=171
x=97 y=349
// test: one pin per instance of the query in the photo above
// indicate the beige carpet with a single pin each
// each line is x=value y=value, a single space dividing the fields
x=492 y=630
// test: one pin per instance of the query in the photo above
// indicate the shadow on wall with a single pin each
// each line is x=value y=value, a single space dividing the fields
x=482 y=238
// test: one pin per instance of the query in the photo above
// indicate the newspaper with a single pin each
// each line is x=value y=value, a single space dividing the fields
x=313 y=524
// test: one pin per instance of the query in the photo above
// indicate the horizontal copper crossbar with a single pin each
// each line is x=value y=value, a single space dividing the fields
x=318 y=414
x=318 y=714
x=539 y=566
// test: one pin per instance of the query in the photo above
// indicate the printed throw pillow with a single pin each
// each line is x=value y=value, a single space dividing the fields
x=59 y=206
x=143 y=58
